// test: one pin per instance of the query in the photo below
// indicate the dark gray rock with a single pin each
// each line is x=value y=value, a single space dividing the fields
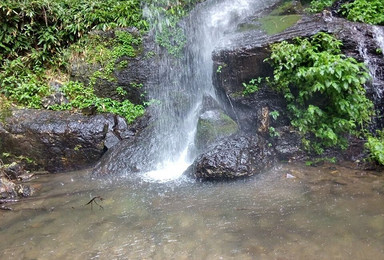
x=13 y=170
x=287 y=144
x=60 y=140
x=232 y=158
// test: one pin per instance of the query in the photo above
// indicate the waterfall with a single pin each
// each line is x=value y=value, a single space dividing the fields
x=165 y=148
x=378 y=34
x=184 y=82
x=372 y=55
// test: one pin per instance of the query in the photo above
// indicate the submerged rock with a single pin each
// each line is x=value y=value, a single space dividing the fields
x=232 y=158
x=60 y=140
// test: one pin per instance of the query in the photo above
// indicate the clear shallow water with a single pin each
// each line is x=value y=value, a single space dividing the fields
x=324 y=213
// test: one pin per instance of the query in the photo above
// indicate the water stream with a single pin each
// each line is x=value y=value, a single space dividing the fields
x=325 y=212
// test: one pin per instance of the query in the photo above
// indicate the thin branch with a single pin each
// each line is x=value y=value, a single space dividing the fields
x=94 y=200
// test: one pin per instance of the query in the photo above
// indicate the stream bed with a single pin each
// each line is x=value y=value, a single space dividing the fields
x=288 y=212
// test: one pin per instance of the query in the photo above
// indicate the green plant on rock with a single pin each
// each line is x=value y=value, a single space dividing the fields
x=319 y=5
x=252 y=86
x=375 y=145
x=274 y=114
x=81 y=97
x=367 y=11
x=273 y=132
x=22 y=85
x=323 y=89
x=121 y=92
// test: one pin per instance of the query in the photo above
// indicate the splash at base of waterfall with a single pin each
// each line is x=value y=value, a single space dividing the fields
x=169 y=170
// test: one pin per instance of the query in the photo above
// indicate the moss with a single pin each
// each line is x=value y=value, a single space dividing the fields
x=244 y=27
x=275 y=24
x=287 y=7
x=214 y=127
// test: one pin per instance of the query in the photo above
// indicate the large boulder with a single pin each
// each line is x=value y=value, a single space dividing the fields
x=60 y=140
x=233 y=158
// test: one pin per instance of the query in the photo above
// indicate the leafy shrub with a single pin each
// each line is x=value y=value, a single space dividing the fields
x=367 y=11
x=47 y=26
x=323 y=88
x=375 y=146
x=81 y=97
x=319 y=5
x=252 y=86
x=34 y=34
x=22 y=85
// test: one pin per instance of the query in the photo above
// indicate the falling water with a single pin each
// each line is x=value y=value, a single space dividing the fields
x=184 y=82
x=379 y=37
x=371 y=61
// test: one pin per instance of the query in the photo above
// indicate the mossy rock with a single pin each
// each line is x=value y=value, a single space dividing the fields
x=288 y=8
x=213 y=125
x=273 y=24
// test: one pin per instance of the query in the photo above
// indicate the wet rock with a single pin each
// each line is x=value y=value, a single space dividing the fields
x=209 y=103
x=232 y=158
x=213 y=125
x=288 y=144
x=9 y=189
x=54 y=99
x=57 y=98
x=60 y=140
x=14 y=170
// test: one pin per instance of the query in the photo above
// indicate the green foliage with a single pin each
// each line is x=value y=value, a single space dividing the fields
x=367 y=11
x=22 y=85
x=37 y=29
x=81 y=97
x=375 y=145
x=323 y=89
x=318 y=161
x=34 y=35
x=252 y=86
x=319 y=5
x=136 y=85
x=273 y=132
x=108 y=53
x=121 y=92
x=274 y=114
x=165 y=15
x=172 y=38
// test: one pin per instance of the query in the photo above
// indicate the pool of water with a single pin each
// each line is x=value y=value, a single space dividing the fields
x=289 y=212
